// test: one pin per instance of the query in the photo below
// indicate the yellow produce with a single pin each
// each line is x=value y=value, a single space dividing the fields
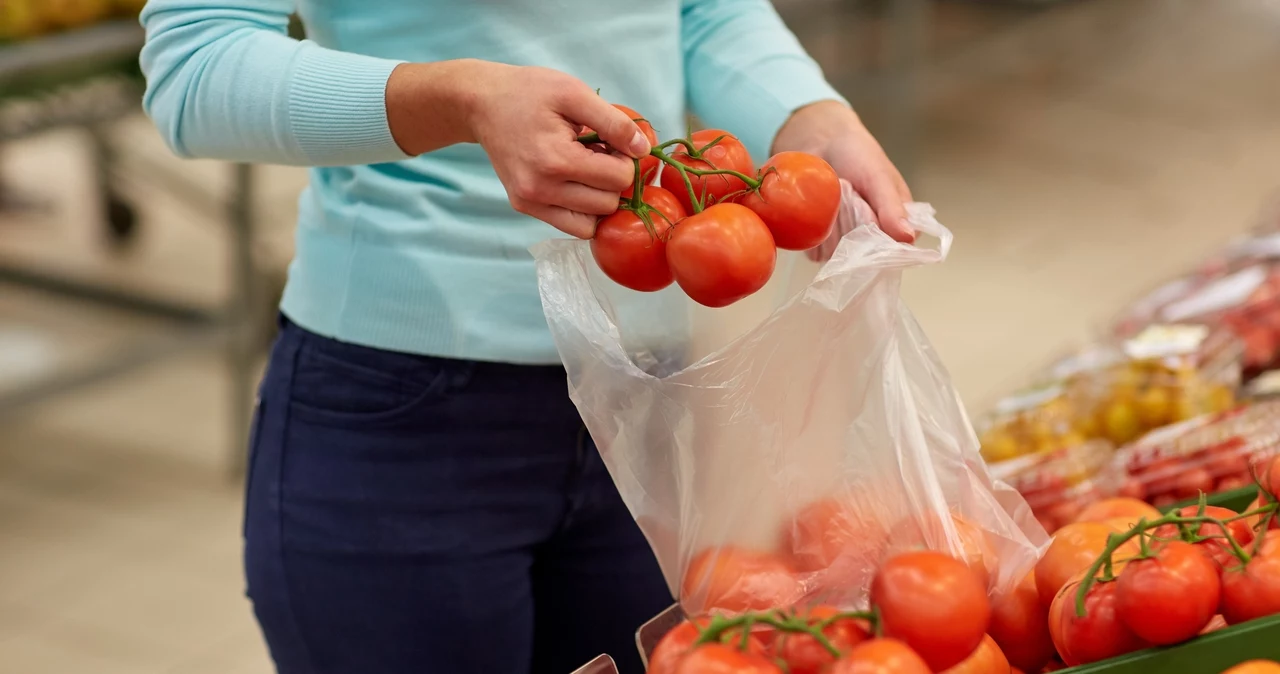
x=1120 y=421
x=129 y=6
x=73 y=13
x=1155 y=406
x=19 y=19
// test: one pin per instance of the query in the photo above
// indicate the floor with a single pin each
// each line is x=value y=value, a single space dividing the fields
x=1081 y=152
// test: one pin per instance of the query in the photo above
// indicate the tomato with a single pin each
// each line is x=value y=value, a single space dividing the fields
x=1168 y=598
x=721 y=255
x=1255 y=667
x=1074 y=548
x=1120 y=507
x=1269 y=476
x=728 y=154
x=722 y=659
x=973 y=547
x=881 y=656
x=934 y=603
x=830 y=529
x=1020 y=626
x=1252 y=591
x=649 y=164
x=798 y=199
x=987 y=659
x=631 y=255
x=1098 y=635
x=1217 y=622
x=804 y=655
x=737 y=580
x=1255 y=521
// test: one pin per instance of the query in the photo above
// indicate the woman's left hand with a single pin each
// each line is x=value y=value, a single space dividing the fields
x=832 y=130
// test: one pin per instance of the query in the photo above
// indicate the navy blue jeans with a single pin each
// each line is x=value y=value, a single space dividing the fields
x=414 y=515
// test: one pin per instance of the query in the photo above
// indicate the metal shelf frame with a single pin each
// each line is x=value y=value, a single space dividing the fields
x=92 y=94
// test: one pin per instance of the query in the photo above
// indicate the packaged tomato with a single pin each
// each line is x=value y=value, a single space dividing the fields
x=1213 y=453
x=1058 y=485
x=775 y=452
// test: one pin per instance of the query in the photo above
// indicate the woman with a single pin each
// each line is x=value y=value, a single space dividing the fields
x=422 y=495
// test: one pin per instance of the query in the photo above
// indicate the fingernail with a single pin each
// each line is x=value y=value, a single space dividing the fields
x=639 y=145
x=908 y=230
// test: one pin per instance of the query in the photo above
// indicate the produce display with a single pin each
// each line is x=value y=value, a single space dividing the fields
x=716 y=223
x=25 y=19
x=1103 y=591
x=1210 y=454
x=1164 y=375
x=1059 y=485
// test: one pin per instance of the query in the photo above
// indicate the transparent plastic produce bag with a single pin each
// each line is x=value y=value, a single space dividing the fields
x=778 y=465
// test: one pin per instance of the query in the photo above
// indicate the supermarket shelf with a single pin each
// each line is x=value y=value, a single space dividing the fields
x=1216 y=652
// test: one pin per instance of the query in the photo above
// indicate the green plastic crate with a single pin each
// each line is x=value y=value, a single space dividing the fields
x=1236 y=499
x=1209 y=654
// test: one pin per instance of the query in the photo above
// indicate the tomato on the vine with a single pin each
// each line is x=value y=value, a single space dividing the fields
x=737 y=580
x=934 y=603
x=1169 y=597
x=1097 y=635
x=987 y=659
x=798 y=199
x=1020 y=626
x=881 y=656
x=729 y=154
x=721 y=255
x=677 y=643
x=804 y=655
x=723 y=659
x=974 y=547
x=628 y=252
x=648 y=164
x=1218 y=548
x=1251 y=591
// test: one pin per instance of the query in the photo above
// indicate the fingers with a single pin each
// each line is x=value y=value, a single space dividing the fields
x=886 y=197
x=583 y=106
x=574 y=224
x=600 y=170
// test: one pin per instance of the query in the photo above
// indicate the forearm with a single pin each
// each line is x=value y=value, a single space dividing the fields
x=226 y=82
x=745 y=71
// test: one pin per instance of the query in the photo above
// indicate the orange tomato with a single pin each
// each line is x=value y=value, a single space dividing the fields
x=974 y=547
x=829 y=530
x=735 y=580
x=881 y=656
x=1255 y=667
x=1074 y=548
x=1020 y=626
x=1119 y=507
x=986 y=659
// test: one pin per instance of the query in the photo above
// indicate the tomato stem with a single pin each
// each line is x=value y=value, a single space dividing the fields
x=719 y=626
x=684 y=175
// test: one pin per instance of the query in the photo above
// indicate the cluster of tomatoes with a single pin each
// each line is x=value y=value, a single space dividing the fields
x=930 y=615
x=1122 y=578
x=714 y=223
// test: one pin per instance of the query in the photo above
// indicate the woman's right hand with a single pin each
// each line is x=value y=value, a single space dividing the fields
x=527 y=119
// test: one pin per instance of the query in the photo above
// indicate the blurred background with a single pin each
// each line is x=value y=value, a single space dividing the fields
x=1083 y=152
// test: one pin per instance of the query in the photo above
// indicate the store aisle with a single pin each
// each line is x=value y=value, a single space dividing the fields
x=1080 y=153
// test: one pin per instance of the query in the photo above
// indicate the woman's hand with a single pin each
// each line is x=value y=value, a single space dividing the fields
x=527 y=119
x=832 y=131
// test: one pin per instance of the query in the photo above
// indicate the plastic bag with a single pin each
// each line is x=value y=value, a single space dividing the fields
x=783 y=465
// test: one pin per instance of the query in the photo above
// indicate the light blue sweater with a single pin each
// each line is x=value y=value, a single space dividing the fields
x=424 y=254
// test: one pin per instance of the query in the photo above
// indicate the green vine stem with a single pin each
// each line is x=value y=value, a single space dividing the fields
x=1115 y=540
x=720 y=626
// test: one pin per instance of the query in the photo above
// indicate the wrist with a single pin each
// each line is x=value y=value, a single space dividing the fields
x=811 y=128
x=430 y=105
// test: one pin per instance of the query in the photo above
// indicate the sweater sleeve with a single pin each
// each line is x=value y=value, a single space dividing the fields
x=224 y=81
x=745 y=71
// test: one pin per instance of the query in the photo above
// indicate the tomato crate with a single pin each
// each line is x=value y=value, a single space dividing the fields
x=1210 y=654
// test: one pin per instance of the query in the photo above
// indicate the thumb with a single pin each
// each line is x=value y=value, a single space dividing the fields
x=613 y=125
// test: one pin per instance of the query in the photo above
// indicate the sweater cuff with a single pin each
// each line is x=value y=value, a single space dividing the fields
x=338 y=107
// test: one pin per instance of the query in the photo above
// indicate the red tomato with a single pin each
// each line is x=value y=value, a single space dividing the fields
x=648 y=165
x=1255 y=521
x=1112 y=508
x=1074 y=548
x=881 y=656
x=735 y=580
x=1252 y=591
x=798 y=199
x=1020 y=626
x=974 y=548
x=1255 y=667
x=1168 y=598
x=631 y=255
x=722 y=659
x=729 y=154
x=830 y=529
x=1218 y=549
x=1098 y=635
x=934 y=603
x=987 y=659
x=804 y=655
x=1269 y=476
x=721 y=255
